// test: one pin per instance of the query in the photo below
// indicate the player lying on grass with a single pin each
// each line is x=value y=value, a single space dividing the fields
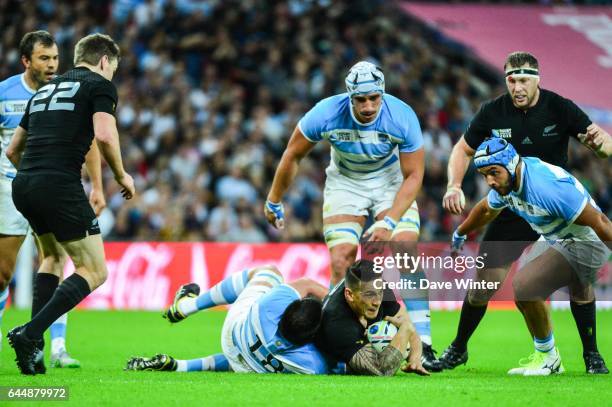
x=571 y=247
x=269 y=327
x=353 y=305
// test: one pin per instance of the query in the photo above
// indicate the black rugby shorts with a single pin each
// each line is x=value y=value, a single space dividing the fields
x=55 y=203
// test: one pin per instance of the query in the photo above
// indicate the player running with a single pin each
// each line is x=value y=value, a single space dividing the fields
x=269 y=327
x=572 y=230
x=377 y=165
x=49 y=148
x=39 y=55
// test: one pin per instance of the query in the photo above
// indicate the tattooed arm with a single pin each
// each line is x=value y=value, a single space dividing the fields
x=367 y=361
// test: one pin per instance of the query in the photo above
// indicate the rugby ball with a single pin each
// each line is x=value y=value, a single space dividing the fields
x=380 y=334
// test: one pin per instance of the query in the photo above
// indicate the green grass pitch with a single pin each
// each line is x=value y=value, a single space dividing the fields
x=104 y=340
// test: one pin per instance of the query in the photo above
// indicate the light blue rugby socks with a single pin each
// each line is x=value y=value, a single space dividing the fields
x=212 y=363
x=417 y=305
x=222 y=293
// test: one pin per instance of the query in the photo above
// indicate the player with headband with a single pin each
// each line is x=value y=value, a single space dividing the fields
x=537 y=123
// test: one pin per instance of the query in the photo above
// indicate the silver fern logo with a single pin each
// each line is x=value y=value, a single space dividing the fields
x=548 y=131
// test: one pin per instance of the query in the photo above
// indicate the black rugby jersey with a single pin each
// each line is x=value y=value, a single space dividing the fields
x=341 y=334
x=59 y=121
x=542 y=131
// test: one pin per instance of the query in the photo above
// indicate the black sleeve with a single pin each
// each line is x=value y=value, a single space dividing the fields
x=478 y=129
x=25 y=119
x=341 y=338
x=390 y=308
x=104 y=97
x=577 y=119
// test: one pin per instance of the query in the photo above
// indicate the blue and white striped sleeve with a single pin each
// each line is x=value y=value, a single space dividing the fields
x=311 y=125
x=566 y=198
x=413 y=138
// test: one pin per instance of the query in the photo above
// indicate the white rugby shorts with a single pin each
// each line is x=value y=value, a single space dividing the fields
x=234 y=319
x=12 y=221
x=346 y=196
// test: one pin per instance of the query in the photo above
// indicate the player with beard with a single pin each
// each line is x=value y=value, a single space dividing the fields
x=538 y=123
x=571 y=248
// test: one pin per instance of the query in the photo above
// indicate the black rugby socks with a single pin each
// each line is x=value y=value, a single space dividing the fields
x=72 y=291
x=471 y=315
x=44 y=287
x=584 y=314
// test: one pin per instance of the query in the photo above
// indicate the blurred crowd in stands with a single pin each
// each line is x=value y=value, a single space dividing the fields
x=210 y=91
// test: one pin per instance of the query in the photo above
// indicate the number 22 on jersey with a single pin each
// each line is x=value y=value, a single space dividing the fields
x=59 y=94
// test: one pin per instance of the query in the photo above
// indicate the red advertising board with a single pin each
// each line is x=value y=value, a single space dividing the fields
x=145 y=275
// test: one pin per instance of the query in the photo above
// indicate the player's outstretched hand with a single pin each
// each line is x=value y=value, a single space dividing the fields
x=127 y=182
x=595 y=136
x=457 y=243
x=415 y=367
x=454 y=200
x=275 y=214
x=97 y=201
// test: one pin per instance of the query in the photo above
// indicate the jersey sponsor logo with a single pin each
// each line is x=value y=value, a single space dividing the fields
x=12 y=107
x=502 y=133
x=527 y=140
x=549 y=131
x=344 y=136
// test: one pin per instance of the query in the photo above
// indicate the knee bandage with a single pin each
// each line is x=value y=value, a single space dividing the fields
x=409 y=222
x=338 y=233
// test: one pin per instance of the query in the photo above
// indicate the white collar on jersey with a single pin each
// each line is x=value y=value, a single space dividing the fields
x=25 y=84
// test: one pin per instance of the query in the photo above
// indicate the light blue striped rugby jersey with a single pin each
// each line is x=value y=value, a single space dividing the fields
x=265 y=350
x=363 y=151
x=550 y=199
x=14 y=96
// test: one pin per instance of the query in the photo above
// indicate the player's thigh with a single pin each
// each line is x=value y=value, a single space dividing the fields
x=586 y=257
x=542 y=276
x=261 y=282
x=343 y=196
